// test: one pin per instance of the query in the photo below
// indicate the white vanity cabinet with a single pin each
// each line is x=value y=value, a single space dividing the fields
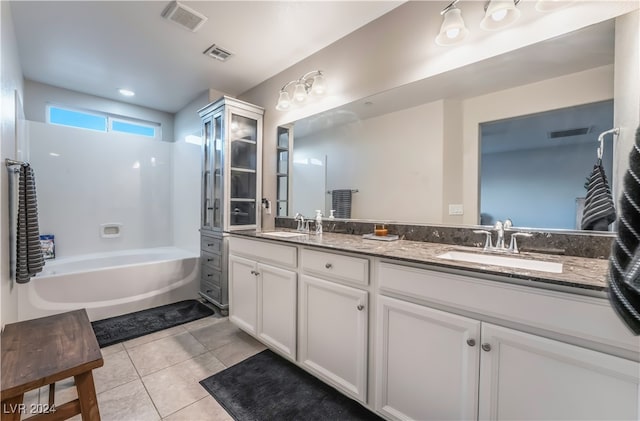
x=333 y=319
x=263 y=292
x=437 y=364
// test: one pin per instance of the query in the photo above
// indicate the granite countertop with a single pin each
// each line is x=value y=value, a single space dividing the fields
x=577 y=272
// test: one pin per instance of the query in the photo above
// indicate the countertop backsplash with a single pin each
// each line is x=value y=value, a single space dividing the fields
x=594 y=246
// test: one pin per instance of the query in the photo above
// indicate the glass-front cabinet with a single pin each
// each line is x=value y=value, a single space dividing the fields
x=285 y=141
x=231 y=186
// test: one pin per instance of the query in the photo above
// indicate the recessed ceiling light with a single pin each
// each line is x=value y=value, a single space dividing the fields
x=126 y=92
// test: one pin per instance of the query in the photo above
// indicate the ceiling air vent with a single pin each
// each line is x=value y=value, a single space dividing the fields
x=570 y=132
x=184 y=16
x=218 y=53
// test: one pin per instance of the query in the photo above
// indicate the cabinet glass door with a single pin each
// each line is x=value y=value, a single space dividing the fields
x=282 y=197
x=217 y=159
x=243 y=132
x=207 y=178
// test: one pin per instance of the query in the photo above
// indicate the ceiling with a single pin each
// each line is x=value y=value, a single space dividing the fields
x=97 y=47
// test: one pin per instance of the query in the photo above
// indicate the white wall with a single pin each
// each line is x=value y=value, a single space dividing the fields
x=87 y=178
x=627 y=92
x=394 y=161
x=398 y=48
x=38 y=95
x=566 y=91
x=12 y=83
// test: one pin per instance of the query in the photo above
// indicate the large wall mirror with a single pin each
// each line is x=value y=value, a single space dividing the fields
x=403 y=153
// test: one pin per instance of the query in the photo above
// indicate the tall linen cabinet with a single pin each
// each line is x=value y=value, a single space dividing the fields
x=231 y=187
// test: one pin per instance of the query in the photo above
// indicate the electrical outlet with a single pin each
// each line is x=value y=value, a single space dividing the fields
x=455 y=210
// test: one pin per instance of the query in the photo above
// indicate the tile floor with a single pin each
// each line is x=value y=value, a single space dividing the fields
x=155 y=377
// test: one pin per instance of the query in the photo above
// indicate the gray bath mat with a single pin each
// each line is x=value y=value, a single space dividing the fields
x=267 y=387
x=129 y=326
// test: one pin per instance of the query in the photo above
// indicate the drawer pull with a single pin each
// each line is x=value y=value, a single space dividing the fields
x=471 y=342
x=209 y=291
x=328 y=265
x=210 y=244
x=209 y=259
x=209 y=274
x=360 y=307
x=486 y=347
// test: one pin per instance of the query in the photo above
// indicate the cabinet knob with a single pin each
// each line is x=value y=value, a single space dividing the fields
x=486 y=347
x=328 y=265
x=360 y=307
x=471 y=342
x=209 y=291
x=253 y=272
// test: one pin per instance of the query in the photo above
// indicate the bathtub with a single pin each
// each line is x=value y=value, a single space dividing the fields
x=110 y=284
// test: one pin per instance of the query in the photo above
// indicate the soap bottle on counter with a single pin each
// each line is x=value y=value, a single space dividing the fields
x=331 y=216
x=318 y=222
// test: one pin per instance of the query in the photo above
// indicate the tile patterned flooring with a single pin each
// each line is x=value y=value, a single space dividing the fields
x=155 y=377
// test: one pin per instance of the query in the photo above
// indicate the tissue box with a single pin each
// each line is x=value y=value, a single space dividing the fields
x=47 y=243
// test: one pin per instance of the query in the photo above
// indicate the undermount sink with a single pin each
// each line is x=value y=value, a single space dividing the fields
x=284 y=234
x=510 y=262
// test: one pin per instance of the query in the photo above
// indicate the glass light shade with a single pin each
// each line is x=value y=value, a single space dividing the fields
x=284 y=103
x=499 y=14
x=319 y=86
x=299 y=93
x=452 y=30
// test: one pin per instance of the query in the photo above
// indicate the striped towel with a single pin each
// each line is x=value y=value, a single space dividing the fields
x=598 y=210
x=29 y=260
x=341 y=203
x=624 y=262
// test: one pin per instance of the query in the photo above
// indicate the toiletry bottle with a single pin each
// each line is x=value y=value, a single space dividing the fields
x=318 y=222
x=331 y=216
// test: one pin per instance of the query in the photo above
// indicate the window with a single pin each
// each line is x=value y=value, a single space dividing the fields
x=101 y=122
x=79 y=119
x=133 y=128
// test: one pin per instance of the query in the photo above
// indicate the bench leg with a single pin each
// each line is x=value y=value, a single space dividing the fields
x=87 y=397
x=12 y=408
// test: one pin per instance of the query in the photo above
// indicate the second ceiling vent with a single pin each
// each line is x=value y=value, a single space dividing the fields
x=218 y=53
x=184 y=16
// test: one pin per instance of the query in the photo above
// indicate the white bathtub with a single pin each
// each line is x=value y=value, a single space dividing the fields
x=110 y=284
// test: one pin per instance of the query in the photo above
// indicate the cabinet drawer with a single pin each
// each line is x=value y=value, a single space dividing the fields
x=263 y=251
x=344 y=268
x=211 y=244
x=211 y=275
x=211 y=290
x=210 y=259
x=569 y=315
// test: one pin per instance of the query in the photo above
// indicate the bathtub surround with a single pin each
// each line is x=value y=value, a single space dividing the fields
x=118 y=329
x=596 y=246
x=267 y=387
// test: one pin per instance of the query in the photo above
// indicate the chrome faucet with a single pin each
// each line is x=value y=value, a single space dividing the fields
x=302 y=227
x=500 y=227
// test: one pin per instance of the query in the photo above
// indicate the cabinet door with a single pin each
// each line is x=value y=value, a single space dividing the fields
x=426 y=362
x=243 y=293
x=277 y=292
x=527 y=376
x=243 y=182
x=333 y=334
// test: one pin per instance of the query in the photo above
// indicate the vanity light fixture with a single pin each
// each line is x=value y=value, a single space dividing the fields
x=499 y=14
x=452 y=30
x=310 y=83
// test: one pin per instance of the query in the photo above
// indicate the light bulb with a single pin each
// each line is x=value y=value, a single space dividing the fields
x=452 y=33
x=499 y=15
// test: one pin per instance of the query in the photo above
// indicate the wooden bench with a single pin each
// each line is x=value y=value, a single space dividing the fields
x=43 y=351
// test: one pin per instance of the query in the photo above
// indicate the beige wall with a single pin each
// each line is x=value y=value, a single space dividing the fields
x=365 y=155
x=566 y=91
x=398 y=48
x=9 y=148
x=626 y=106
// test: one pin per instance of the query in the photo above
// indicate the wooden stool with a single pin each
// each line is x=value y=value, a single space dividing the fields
x=43 y=351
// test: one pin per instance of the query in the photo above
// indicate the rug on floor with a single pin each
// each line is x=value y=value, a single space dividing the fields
x=129 y=326
x=267 y=387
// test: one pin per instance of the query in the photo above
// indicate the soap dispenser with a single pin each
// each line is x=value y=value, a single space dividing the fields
x=332 y=214
x=318 y=222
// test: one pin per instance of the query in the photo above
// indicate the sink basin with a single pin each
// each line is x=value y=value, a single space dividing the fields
x=510 y=262
x=284 y=234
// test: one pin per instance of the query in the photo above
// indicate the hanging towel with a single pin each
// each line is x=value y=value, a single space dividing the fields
x=598 y=210
x=624 y=262
x=29 y=260
x=341 y=203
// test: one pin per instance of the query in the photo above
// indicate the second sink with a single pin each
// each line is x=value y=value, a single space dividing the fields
x=511 y=262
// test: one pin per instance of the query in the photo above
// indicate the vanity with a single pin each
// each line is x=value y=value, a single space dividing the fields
x=411 y=335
